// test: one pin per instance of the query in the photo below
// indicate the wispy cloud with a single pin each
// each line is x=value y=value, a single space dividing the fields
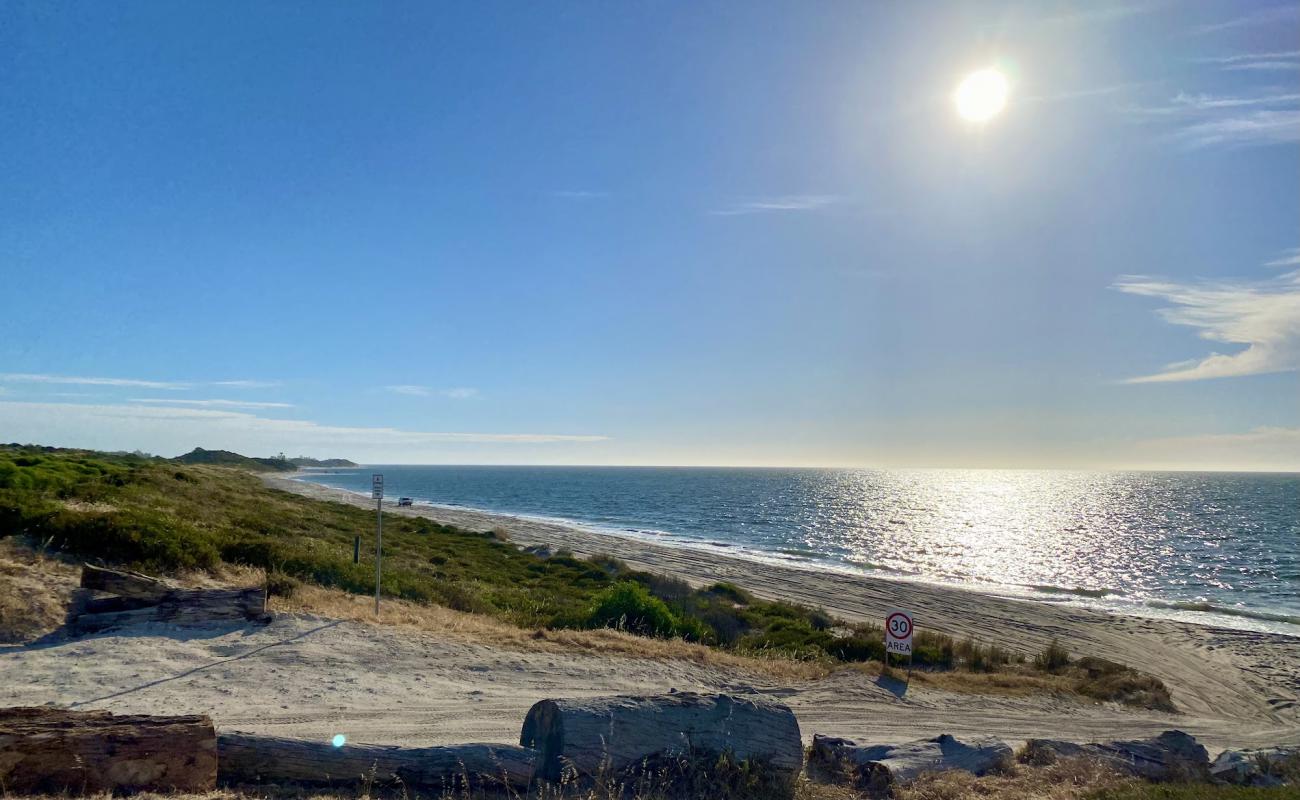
x=1264 y=316
x=212 y=403
x=142 y=425
x=1278 y=60
x=24 y=377
x=779 y=203
x=411 y=390
x=1260 y=16
x=1289 y=258
x=1078 y=94
x=1084 y=14
x=248 y=384
x=1204 y=120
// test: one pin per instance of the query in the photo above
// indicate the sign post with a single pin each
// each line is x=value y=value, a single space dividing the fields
x=898 y=636
x=377 y=492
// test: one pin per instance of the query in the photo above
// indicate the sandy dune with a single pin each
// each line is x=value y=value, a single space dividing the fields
x=309 y=676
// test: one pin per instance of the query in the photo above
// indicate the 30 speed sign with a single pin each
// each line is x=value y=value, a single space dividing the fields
x=898 y=633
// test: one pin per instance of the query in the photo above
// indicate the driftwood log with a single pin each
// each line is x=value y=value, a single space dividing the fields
x=617 y=734
x=141 y=598
x=1253 y=767
x=1173 y=755
x=46 y=750
x=877 y=769
x=247 y=758
x=124 y=583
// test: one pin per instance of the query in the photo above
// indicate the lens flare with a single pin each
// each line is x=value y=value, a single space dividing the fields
x=338 y=740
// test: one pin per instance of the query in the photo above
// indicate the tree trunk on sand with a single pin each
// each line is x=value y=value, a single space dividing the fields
x=184 y=607
x=877 y=769
x=616 y=734
x=1173 y=755
x=124 y=583
x=52 y=751
x=248 y=758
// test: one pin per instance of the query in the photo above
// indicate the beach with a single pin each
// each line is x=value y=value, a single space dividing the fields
x=426 y=675
x=1231 y=686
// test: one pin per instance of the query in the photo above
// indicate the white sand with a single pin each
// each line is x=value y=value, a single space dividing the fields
x=305 y=676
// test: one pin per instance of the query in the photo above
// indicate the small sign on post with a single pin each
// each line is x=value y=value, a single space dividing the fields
x=377 y=492
x=898 y=636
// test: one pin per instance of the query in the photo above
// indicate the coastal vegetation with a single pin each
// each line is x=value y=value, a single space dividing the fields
x=162 y=516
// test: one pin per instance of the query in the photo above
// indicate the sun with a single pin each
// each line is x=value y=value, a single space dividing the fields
x=982 y=95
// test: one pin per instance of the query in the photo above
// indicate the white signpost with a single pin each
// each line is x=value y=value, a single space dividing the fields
x=377 y=492
x=898 y=635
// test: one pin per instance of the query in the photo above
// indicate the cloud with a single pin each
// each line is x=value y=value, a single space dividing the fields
x=1262 y=315
x=248 y=384
x=455 y=393
x=22 y=377
x=1289 y=258
x=213 y=403
x=1203 y=120
x=1275 y=61
x=1261 y=16
x=160 y=428
x=789 y=202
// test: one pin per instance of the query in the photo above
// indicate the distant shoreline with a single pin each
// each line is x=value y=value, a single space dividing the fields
x=612 y=541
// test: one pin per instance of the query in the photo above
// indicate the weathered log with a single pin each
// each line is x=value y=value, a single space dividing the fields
x=248 y=758
x=615 y=734
x=878 y=768
x=1265 y=767
x=124 y=583
x=1173 y=755
x=46 y=750
x=184 y=607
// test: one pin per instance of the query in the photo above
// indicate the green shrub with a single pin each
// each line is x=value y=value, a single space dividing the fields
x=630 y=607
x=279 y=584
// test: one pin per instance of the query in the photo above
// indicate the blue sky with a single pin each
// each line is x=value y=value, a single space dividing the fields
x=652 y=232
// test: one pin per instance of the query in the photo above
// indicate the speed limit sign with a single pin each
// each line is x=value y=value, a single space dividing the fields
x=898 y=633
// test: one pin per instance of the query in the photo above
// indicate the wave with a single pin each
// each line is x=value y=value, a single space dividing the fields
x=1210 y=608
x=1075 y=590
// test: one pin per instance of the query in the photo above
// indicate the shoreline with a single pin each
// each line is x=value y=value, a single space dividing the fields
x=1219 y=673
x=1193 y=612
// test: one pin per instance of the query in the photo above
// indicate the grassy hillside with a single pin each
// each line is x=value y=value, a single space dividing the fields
x=161 y=516
x=225 y=458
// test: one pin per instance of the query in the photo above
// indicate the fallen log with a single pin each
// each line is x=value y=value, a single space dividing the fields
x=1265 y=767
x=877 y=769
x=248 y=758
x=53 y=751
x=1173 y=755
x=124 y=583
x=183 y=607
x=616 y=734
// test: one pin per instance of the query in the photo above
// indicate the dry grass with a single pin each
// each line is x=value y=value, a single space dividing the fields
x=481 y=629
x=34 y=592
x=1066 y=780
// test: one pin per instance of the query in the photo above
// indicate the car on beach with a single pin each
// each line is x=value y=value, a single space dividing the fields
x=404 y=501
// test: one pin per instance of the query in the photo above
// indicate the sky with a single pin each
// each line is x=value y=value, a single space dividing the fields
x=696 y=233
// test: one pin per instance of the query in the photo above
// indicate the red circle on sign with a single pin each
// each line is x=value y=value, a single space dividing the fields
x=906 y=621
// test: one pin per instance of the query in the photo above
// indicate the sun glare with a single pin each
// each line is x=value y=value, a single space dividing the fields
x=981 y=95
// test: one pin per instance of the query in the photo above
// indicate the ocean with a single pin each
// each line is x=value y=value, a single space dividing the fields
x=1217 y=548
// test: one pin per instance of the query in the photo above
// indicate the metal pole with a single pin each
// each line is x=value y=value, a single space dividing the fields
x=379 y=547
x=356 y=550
